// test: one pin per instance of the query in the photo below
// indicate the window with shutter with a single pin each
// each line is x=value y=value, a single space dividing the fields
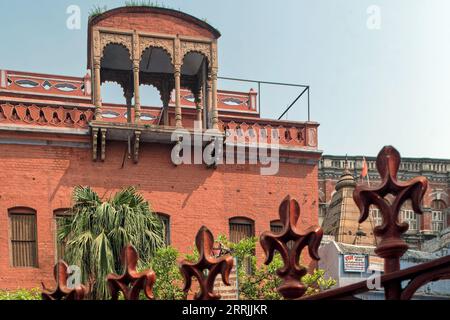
x=437 y=215
x=242 y=228
x=23 y=237
x=276 y=226
x=61 y=216
x=165 y=219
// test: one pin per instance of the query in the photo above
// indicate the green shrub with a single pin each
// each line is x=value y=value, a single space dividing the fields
x=97 y=10
x=169 y=282
x=262 y=282
x=21 y=294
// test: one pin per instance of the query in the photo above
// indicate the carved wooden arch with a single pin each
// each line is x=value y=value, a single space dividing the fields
x=202 y=48
x=118 y=82
x=165 y=44
x=114 y=38
x=156 y=85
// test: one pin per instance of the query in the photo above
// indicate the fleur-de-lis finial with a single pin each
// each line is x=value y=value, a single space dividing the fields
x=204 y=242
x=62 y=291
x=391 y=246
x=131 y=282
x=292 y=271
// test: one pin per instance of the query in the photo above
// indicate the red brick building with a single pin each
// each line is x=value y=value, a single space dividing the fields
x=436 y=204
x=57 y=133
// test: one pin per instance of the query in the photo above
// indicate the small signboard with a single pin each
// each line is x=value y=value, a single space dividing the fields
x=354 y=263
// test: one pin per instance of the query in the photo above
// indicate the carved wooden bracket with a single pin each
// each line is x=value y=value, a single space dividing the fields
x=292 y=271
x=62 y=291
x=204 y=242
x=103 y=144
x=95 y=143
x=131 y=282
x=213 y=148
x=137 y=139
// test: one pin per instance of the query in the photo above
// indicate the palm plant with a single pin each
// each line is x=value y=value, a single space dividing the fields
x=97 y=231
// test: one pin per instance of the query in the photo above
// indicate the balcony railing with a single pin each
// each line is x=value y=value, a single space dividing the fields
x=270 y=131
x=32 y=99
x=45 y=116
x=40 y=84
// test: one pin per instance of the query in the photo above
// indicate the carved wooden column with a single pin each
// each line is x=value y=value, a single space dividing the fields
x=208 y=101
x=97 y=89
x=136 y=65
x=199 y=108
x=137 y=97
x=165 y=97
x=214 y=111
x=166 y=113
x=178 y=117
x=129 y=98
x=96 y=64
x=214 y=71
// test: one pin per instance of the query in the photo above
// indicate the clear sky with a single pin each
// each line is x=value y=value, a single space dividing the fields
x=369 y=86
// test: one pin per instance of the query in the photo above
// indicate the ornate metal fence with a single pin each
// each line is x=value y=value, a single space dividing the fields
x=391 y=248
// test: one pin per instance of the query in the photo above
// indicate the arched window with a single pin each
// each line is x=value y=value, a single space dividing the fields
x=437 y=215
x=60 y=217
x=23 y=237
x=241 y=228
x=165 y=219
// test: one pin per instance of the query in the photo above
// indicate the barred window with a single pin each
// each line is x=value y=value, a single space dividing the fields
x=437 y=215
x=165 y=219
x=242 y=228
x=410 y=217
x=60 y=217
x=23 y=237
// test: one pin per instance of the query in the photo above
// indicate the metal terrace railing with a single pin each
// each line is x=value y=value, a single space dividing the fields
x=304 y=89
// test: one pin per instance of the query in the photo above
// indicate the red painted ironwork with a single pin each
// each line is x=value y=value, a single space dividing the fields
x=62 y=291
x=45 y=116
x=131 y=282
x=290 y=243
x=417 y=276
x=292 y=271
x=204 y=242
x=391 y=246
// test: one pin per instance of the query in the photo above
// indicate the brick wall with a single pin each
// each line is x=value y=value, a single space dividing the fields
x=154 y=22
x=42 y=178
